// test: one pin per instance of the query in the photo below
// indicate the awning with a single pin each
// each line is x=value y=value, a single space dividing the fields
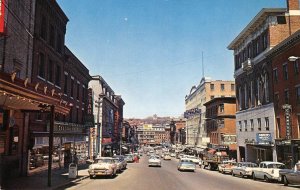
x=124 y=147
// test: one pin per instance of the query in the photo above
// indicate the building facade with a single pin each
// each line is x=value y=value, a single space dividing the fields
x=284 y=59
x=255 y=108
x=195 y=110
x=220 y=124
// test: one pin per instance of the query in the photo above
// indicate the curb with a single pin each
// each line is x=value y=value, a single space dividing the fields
x=73 y=181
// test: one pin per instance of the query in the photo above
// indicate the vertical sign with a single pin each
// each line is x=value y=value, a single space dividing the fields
x=2 y=15
x=90 y=101
x=287 y=110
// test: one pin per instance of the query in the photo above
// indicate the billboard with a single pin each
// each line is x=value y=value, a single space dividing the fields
x=2 y=15
x=264 y=138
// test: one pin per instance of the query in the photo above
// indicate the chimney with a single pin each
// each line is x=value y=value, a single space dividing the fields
x=292 y=4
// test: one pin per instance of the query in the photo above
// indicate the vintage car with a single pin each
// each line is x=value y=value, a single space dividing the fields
x=186 y=165
x=290 y=176
x=103 y=166
x=268 y=171
x=129 y=158
x=121 y=162
x=173 y=154
x=154 y=161
x=243 y=169
x=227 y=166
x=167 y=157
x=192 y=158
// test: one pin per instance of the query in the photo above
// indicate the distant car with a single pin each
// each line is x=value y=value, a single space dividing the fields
x=290 y=176
x=227 y=166
x=129 y=158
x=154 y=161
x=103 y=166
x=121 y=162
x=186 y=165
x=243 y=169
x=173 y=154
x=268 y=171
x=167 y=157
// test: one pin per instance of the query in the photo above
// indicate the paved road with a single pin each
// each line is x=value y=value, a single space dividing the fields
x=141 y=177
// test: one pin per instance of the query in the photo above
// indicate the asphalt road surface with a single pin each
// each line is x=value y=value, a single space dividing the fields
x=139 y=176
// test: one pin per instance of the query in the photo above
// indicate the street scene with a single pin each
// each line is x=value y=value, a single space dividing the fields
x=156 y=94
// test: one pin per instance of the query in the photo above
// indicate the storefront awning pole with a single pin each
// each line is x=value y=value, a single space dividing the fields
x=50 y=144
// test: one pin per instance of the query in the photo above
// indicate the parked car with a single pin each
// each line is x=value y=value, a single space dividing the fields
x=121 y=162
x=129 y=158
x=103 y=166
x=186 y=165
x=154 y=161
x=244 y=169
x=290 y=176
x=268 y=171
x=227 y=166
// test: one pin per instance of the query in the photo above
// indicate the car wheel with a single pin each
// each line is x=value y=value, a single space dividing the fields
x=266 y=179
x=285 y=181
x=253 y=176
x=222 y=171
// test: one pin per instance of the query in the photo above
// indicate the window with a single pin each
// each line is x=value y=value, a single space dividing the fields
x=259 y=124
x=232 y=87
x=286 y=96
x=240 y=126
x=57 y=75
x=245 y=123
x=50 y=70
x=78 y=85
x=38 y=116
x=52 y=36
x=252 y=124
x=278 y=127
x=221 y=108
x=296 y=67
x=83 y=95
x=66 y=84
x=42 y=65
x=222 y=87
x=298 y=94
x=212 y=87
x=71 y=115
x=276 y=100
x=72 y=87
x=59 y=43
x=44 y=28
x=285 y=72
x=267 y=123
x=275 y=75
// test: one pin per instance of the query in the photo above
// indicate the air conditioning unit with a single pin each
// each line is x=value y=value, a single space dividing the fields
x=247 y=65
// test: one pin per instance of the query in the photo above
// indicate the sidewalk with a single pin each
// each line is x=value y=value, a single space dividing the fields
x=40 y=181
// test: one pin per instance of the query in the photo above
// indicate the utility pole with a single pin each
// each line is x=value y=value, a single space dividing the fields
x=52 y=117
x=99 y=131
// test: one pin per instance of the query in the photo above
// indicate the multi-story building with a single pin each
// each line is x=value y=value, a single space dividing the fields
x=255 y=108
x=108 y=114
x=195 y=109
x=220 y=124
x=149 y=134
x=286 y=84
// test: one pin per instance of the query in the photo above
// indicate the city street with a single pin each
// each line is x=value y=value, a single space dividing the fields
x=140 y=176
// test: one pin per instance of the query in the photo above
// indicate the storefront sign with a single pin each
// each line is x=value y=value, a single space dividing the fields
x=287 y=110
x=2 y=15
x=192 y=112
x=89 y=117
x=264 y=138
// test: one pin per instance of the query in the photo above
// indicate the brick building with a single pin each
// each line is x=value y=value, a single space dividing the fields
x=220 y=124
x=286 y=84
x=195 y=110
x=255 y=108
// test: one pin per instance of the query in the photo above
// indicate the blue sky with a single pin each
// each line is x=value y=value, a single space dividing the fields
x=149 y=51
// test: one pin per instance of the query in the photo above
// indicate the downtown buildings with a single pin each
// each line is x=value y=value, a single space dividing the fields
x=195 y=111
x=259 y=118
x=43 y=91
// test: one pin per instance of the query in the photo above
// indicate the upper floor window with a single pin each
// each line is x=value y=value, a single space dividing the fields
x=286 y=96
x=59 y=43
x=245 y=122
x=57 y=75
x=276 y=100
x=267 y=123
x=44 y=28
x=275 y=75
x=222 y=87
x=78 y=86
x=240 y=126
x=212 y=87
x=232 y=87
x=298 y=95
x=42 y=65
x=212 y=97
x=259 y=124
x=51 y=36
x=296 y=67
x=72 y=87
x=50 y=70
x=221 y=108
x=285 y=72
x=252 y=124
x=66 y=84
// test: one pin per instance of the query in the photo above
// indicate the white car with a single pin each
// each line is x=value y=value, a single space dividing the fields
x=268 y=171
x=173 y=154
x=243 y=169
x=167 y=157
x=154 y=161
x=192 y=158
x=186 y=165
x=103 y=166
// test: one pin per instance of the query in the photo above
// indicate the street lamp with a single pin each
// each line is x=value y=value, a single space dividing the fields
x=293 y=58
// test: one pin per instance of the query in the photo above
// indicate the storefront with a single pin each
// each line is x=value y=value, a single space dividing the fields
x=288 y=151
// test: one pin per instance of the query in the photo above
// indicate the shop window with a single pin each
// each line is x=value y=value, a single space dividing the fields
x=13 y=140
x=72 y=87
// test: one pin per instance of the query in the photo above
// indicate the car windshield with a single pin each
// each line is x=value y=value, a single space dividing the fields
x=278 y=166
x=105 y=161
